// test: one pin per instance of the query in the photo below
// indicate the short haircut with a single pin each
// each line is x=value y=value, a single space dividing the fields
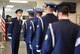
x=64 y=10
x=31 y=14
x=18 y=10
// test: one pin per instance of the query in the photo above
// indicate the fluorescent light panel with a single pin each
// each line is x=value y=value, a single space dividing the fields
x=10 y=6
x=18 y=1
x=7 y=9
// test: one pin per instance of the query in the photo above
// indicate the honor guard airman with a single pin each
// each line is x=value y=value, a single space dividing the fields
x=28 y=30
x=61 y=35
x=15 y=31
x=43 y=24
x=31 y=29
x=39 y=12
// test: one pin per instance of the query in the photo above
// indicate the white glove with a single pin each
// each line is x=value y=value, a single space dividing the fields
x=10 y=38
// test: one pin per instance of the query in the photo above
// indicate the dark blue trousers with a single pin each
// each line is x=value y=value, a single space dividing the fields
x=29 y=51
x=15 y=46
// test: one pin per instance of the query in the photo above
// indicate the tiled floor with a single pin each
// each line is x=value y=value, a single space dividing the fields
x=7 y=49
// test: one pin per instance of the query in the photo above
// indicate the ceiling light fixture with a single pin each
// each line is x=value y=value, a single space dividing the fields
x=6 y=9
x=18 y=1
x=10 y=6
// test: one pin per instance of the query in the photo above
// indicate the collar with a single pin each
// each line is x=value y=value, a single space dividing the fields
x=64 y=20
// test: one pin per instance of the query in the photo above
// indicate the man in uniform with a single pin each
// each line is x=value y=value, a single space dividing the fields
x=15 y=31
x=31 y=26
x=26 y=24
x=28 y=30
x=61 y=35
x=43 y=24
x=39 y=12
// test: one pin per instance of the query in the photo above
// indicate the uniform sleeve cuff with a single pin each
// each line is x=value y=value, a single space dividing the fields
x=38 y=50
x=9 y=34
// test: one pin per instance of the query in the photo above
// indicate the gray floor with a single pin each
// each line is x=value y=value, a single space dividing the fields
x=0 y=48
x=7 y=49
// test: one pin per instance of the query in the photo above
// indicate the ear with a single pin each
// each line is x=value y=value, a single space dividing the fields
x=59 y=14
x=46 y=8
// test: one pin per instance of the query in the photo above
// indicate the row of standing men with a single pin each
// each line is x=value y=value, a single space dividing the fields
x=47 y=34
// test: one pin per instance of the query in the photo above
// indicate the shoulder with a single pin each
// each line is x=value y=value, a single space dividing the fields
x=55 y=24
x=75 y=25
x=44 y=16
x=49 y=16
x=13 y=18
x=31 y=19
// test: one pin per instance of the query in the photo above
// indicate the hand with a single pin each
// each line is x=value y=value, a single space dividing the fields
x=10 y=38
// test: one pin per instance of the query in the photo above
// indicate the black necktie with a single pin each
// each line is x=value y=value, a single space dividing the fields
x=20 y=22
